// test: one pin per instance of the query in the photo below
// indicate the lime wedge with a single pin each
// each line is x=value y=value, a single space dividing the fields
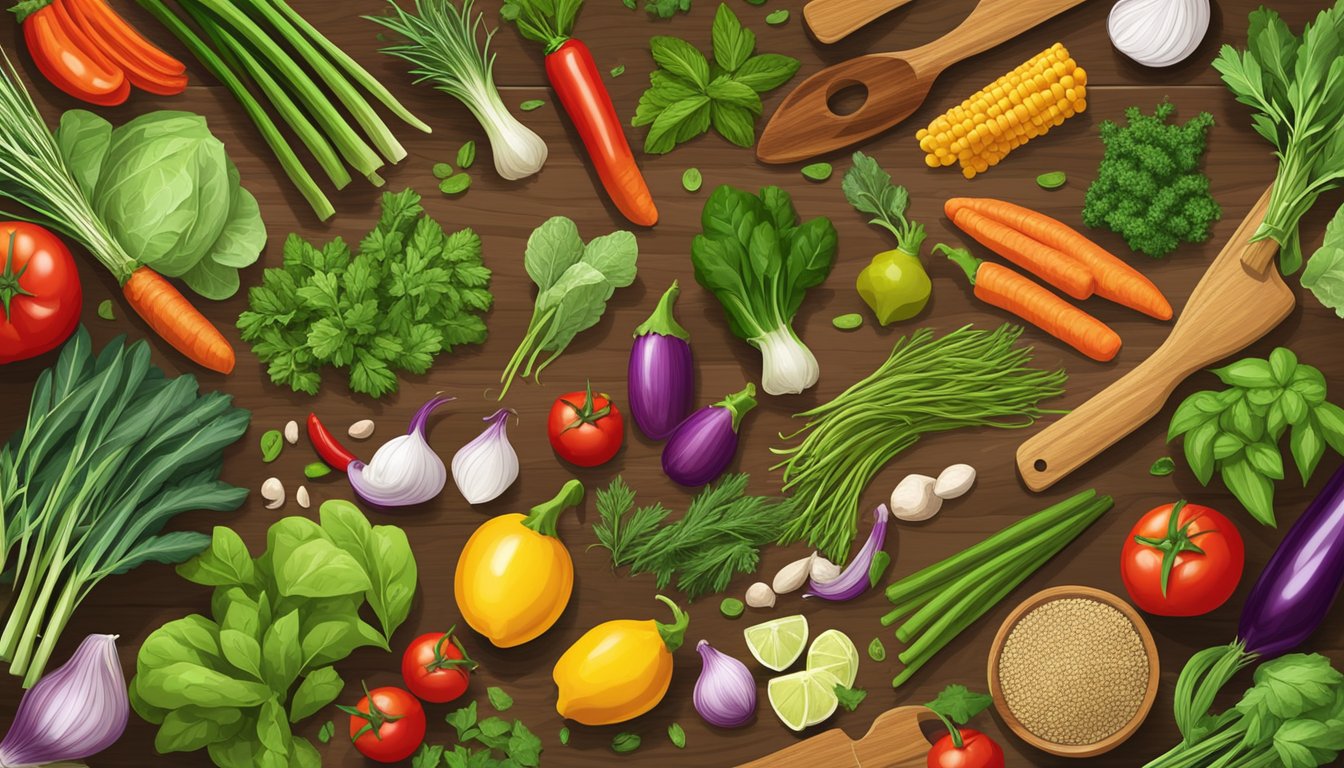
x=803 y=699
x=779 y=642
x=834 y=652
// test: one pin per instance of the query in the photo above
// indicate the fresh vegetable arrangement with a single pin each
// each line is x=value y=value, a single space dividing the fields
x=688 y=94
x=411 y=292
x=1182 y=560
x=574 y=282
x=111 y=450
x=578 y=85
x=266 y=46
x=661 y=375
x=168 y=192
x=759 y=262
x=894 y=284
x=1149 y=188
x=276 y=620
x=89 y=51
x=966 y=378
x=34 y=174
x=40 y=292
x=442 y=48
x=1237 y=431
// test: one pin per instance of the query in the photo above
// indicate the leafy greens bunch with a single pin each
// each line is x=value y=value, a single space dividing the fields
x=720 y=535
x=521 y=747
x=168 y=193
x=574 y=282
x=1149 y=188
x=234 y=682
x=1237 y=431
x=661 y=9
x=110 y=452
x=1296 y=87
x=688 y=93
x=759 y=262
x=411 y=292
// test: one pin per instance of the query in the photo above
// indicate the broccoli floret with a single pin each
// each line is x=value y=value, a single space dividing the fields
x=1149 y=188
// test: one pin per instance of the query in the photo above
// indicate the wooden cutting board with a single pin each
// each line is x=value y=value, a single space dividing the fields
x=895 y=740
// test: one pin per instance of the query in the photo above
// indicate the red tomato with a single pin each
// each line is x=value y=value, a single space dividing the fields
x=436 y=668
x=40 y=296
x=976 y=751
x=387 y=725
x=1182 y=560
x=585 y=429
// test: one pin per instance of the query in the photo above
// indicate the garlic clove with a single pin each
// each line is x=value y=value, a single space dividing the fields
x=292 y=432
x=824 y=571
x=955 y=481
x=760 y=595
x=913 y=499
x=301 y=496
x=361 y=430
x=273 y=492
x=793 y=576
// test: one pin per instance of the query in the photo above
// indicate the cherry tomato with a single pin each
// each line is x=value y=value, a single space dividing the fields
x=976 y=751
x=1182 y=560
x=436 y=667
x=585 y=429
x=387 y=725
x=40 y=295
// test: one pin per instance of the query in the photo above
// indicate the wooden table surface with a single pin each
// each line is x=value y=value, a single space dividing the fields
x=1239 y=164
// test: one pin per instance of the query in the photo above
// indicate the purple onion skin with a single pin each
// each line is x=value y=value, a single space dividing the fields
x=702 y=446
x=661 y=383
x=1302 y=580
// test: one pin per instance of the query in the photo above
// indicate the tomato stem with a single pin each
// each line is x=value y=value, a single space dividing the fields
x=374 y=719
x=443 y=662
x=1178 y=540
x=10 y=286
x=543 y=516
x=586 y=415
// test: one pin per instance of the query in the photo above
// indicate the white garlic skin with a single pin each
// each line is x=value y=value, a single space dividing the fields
x=824 y=571
x=361 y=430
x=292 y=432
x=760 y=595
x=954 y=482
x=913 y=499
x=273 y=492
x=301 y=496
x=793 y=576
x=1158 y=33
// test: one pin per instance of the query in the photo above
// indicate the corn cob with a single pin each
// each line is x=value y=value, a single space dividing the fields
x=1016 y=108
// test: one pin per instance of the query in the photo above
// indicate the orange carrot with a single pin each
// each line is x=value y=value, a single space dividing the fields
x=1116 y=280
x=143 y=74
x=1052 y=266
x=115 y=30
x=1003 y=288
x=177 y=321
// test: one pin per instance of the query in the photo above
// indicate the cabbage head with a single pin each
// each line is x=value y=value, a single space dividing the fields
x=168 y=192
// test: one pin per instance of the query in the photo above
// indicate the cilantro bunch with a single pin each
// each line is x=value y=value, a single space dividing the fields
x=688 y=93
x=1149 y=188
x=411 y=292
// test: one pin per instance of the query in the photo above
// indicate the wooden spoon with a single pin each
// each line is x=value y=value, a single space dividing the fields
x=897 y=83
x=1241 y=298
x=895 y=740
x=834 y=20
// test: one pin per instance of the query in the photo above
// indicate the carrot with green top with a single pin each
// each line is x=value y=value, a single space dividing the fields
x=1003 y=288
x=1115 y=280
x=1049 y=264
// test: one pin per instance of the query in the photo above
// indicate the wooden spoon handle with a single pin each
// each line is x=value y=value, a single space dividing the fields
x=834 y=20
x=992 y=22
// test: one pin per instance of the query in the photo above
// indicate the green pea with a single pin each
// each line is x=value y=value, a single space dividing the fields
x=691 y=179
x=1052 y=180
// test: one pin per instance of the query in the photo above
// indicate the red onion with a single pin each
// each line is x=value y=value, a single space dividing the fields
x=725 y=693
x=72 y=712
x=405 y=470
x=854 y=580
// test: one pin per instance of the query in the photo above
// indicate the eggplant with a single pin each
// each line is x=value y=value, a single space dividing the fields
x=702 y=446
x=661 y=374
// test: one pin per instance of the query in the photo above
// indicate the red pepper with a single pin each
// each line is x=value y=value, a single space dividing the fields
x=328 y=448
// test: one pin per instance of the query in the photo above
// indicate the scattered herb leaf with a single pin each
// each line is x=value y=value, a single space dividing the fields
x=1052 y=180
x=817 y=171
x=315 y=470
x=775 y=18
x=630 y=4
x=666 y=9
x=618 y=70
x=878 y=568
x=500 y=700
x=850 y=698
x=428 y=756
x=442 y=170
x=564 y=736
x=847 y=322
x=325 y=733
x=625 y=742
x=731 y=607
x=105 y=310
x=691 y=179
x=876 y=650
x=531 y=104
x=677 y=735
x=466 y=155
x=272 y=442
x=958 y=704
x=1162 y=467
x=455 y=184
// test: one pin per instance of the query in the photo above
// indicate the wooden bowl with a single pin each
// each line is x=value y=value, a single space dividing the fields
x=1073 y=750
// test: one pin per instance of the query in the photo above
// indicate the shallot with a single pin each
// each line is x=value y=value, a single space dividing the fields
x=854 y=581
x=486 y=467
x=405 y=470
x=725 y=693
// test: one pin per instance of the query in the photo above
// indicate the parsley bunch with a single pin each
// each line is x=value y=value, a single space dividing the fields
x=1149 y=188
x=411 y=292
x=687 y=93
x=521 y=747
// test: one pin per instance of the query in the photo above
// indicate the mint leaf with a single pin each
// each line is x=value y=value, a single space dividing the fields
x=500 y=700
x=725 y=91
x=732 y=42
x=850 y=698
x=734 y=123
x=767 y=71
x=680 y=58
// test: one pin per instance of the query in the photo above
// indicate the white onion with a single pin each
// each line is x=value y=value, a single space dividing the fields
x=1158 y=33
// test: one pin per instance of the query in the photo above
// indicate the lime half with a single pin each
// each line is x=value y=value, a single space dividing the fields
x=779 y=642
x=803 y=699
x=834 y=652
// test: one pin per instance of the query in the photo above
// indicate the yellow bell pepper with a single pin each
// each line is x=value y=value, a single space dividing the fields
x=514 y=575
x=618 y=670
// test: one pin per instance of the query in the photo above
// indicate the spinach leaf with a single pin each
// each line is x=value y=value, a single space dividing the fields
x=192 y=728
x=318 y=689
x=392 y=576
x=318 y=568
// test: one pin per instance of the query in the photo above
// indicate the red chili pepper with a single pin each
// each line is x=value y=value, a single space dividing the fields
x=328 y=448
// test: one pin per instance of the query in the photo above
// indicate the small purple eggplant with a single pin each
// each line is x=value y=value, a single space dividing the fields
x=661 y=374
x=702 y=446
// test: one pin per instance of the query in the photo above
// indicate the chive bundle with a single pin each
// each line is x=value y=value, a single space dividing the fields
x=967 y=378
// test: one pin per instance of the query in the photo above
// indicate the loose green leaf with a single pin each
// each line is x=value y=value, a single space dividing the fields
x=466 y=155
x=428 y=756
x=876 y=650
x=878 y=568
x=731 y=607
x=564 y=736
x=500 y=700
x=443 y=170
x=850 y=698
x=847 y=322
x=272 y=442
x=1052 y=180
x=618 y=70
x=1162 y=467
x=325 y=733
x=625 y=742
x=817 y=171
x=531 y=104
x=455 y=184
x=691 y=180
x=677 y=736
x=666 y=9
x=958 y=704
x=105 y=310
x=775 y=18
x=316 y=469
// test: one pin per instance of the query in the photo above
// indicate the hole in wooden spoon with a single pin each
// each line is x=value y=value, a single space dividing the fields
x=1040 y=465
x=848 y=99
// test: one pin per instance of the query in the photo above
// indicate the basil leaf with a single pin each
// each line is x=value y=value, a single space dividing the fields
x=1247 y=373
x=1253 y=490
x=500 y=700
x=466 y=155
x=1307 y=447
x=272 y=442
x=817 y=171
x=734 y=123
x=325 y=733
x=766 y=71
x=314 y=470
x=732 y=42
x=318 y=689
x=680 y=58
x=663 y=133
x=1199 y=451
x=625 y=742
x=455 y=184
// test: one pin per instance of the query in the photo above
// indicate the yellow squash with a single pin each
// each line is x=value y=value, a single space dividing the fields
x=618 y=670
x=514 y=575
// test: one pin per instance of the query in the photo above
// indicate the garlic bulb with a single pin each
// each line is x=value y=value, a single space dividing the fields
x=1158 y=33
x=486 y=467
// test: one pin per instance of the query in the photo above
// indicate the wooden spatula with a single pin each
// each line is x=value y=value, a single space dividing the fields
x=833 y=20
x=1241 y=298
x=897 y=83
x=896 y=740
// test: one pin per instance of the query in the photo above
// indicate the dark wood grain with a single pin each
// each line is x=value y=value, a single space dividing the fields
x=1240 y=166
